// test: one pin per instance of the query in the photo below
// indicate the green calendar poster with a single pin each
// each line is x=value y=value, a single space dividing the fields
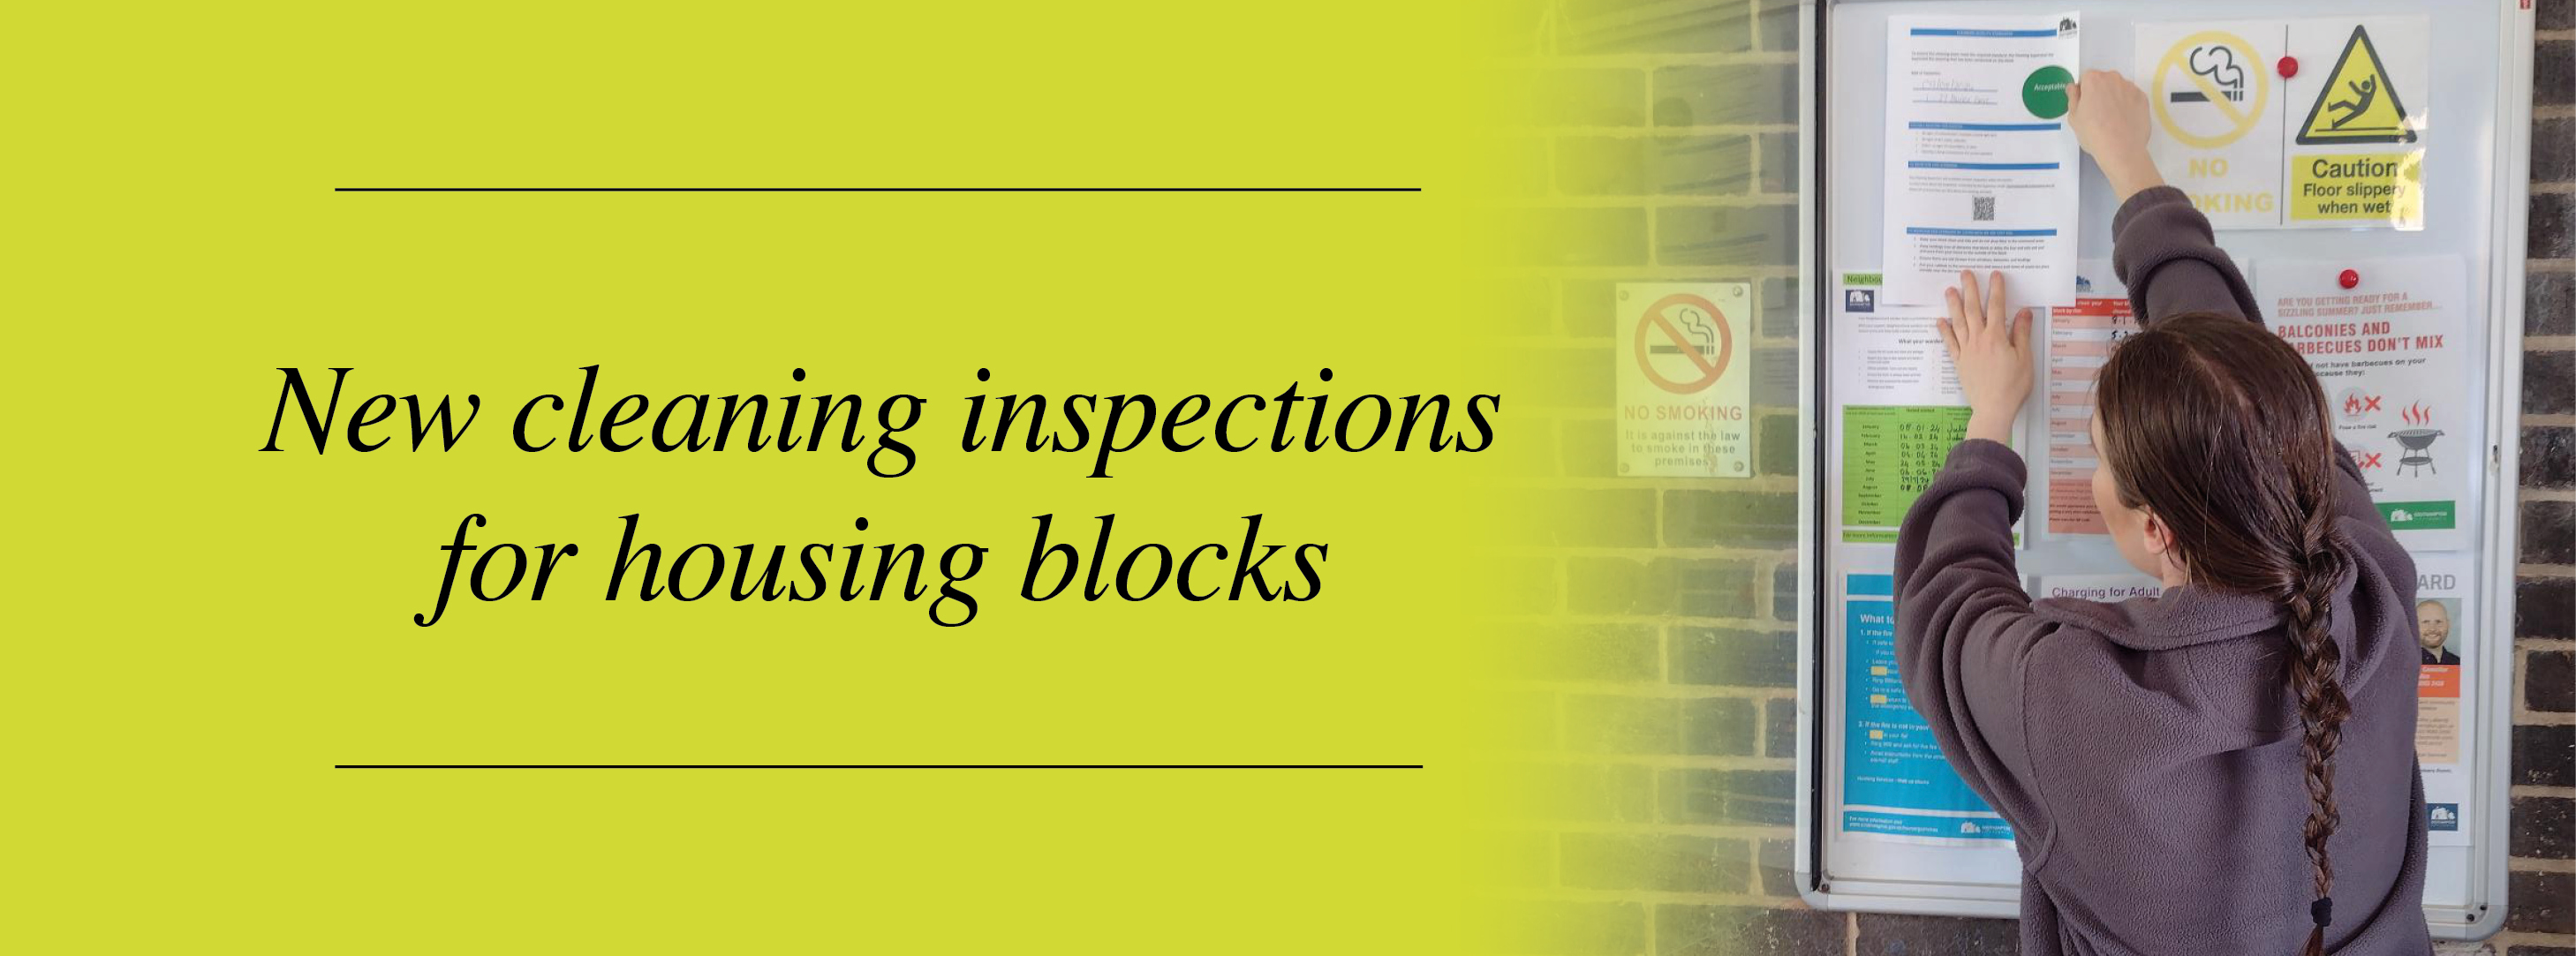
x=1890 y=452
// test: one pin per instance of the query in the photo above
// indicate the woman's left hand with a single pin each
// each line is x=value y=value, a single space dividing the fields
x=1992 y=352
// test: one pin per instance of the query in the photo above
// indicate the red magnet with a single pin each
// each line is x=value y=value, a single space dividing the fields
x=2289 y=66
x=2348 y=279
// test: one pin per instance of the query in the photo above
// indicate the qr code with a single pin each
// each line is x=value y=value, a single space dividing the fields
x=1981 y=208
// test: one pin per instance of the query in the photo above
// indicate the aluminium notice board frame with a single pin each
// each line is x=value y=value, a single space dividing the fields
x=2489 y=154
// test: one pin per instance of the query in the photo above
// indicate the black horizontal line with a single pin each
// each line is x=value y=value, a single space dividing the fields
x=875 y=766
x=877 y=189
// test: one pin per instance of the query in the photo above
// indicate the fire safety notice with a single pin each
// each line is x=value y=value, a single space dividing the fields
x=1683 y=384
x=2387 y=337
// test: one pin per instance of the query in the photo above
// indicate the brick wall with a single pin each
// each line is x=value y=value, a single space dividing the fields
x=1654 y=685
x=1655 y=141
x=2541 y=920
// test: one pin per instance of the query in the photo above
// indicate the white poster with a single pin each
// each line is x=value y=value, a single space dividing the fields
x=1898 y=410
x=1891 y=355
x=2308 y=123
x=2216 y=99
x=2446 y=697
x=2386 y=338
x=2079 y=341
x=1684 y=379
x=1980 y=167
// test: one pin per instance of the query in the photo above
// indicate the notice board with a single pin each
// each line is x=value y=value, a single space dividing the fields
x=2374 y=191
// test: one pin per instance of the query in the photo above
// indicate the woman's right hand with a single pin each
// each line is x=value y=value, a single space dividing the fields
x=1990 y=346
x=2109 y=116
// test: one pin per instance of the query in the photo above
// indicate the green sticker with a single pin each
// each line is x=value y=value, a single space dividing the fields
x=2045 y=92
x=2420 y=515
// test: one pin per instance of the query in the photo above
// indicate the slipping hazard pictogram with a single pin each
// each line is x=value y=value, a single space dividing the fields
x=2358 y=103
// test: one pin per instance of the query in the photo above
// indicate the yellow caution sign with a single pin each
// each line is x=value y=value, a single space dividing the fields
x=2358 y=103
x=2362 y=187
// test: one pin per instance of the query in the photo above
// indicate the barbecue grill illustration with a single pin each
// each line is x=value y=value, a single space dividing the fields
x=2416 y=441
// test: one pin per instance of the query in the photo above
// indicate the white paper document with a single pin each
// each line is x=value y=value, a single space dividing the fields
x=2079 y=343
x=1980 y=165
x=1883 y=359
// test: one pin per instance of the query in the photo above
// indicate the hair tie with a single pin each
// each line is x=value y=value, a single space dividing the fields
x=2322 y=910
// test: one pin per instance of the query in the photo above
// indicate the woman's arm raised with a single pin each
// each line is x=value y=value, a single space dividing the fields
x=2160 y=245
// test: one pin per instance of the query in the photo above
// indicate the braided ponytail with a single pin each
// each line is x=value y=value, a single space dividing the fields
x=2315 y=661
x=2221 y=429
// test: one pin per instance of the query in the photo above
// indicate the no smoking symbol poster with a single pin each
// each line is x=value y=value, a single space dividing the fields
x=2289 y=124
x=1683 y=384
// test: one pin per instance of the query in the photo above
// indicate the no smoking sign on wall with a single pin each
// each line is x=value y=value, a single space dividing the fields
x=1683 y=388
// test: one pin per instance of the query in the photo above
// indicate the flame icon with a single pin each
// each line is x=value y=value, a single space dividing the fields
x=2417 y=414
x=2352 y=404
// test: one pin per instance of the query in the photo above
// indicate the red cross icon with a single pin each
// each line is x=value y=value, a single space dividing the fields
x=2370 y=460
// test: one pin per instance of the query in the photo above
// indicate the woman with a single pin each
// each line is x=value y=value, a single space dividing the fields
x=2228 y=768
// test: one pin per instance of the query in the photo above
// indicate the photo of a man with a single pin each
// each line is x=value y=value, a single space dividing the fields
x=2433 y=630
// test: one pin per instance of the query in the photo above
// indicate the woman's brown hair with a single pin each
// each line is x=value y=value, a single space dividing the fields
x=2220 y=428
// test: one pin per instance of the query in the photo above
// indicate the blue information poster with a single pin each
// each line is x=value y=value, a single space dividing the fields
x=1895 y=782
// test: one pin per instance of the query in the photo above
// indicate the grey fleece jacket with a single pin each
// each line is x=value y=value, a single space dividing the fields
x=2147 y=752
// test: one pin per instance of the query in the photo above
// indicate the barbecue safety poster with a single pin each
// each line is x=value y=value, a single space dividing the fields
x=2385 y=337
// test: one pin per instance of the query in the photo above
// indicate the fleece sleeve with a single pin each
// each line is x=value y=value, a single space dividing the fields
x=2164 y=250
x=1964 y=628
